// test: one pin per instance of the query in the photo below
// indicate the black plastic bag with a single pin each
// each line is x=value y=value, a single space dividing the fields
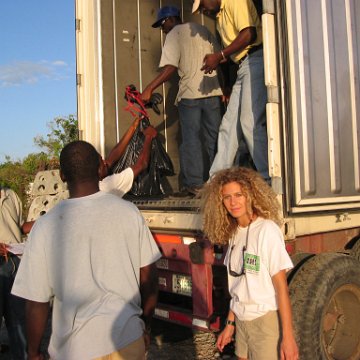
x=149 y=182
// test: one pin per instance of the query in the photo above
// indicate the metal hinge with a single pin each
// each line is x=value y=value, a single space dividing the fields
x=77 y=24
x=78 y=79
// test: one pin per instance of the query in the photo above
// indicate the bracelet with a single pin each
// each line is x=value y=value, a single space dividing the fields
x=229 y=322
x=223 y=55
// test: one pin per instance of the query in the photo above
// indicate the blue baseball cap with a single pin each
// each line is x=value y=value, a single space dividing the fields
x=165 y=12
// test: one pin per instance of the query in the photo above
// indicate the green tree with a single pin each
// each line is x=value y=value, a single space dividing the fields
x=13 y=175
x=18 y=174
x=62 y=131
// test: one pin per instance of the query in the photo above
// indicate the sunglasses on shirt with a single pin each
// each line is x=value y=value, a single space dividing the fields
x=242 y=272
x=232 y=272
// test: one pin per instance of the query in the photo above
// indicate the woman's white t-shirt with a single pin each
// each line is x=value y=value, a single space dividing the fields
x=253 y=293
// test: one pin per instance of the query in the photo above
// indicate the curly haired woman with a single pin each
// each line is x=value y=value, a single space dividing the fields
x=241 y=211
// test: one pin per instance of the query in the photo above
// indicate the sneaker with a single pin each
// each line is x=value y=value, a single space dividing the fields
x=4 y=348
x=194 y=190
x=184 y=193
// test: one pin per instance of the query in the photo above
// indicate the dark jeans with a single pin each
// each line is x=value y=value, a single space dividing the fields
x=199 y=120
x=12 y=308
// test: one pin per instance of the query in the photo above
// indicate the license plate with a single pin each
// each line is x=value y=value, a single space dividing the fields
x=181 y=284
x=162 y=264
x=162 y=313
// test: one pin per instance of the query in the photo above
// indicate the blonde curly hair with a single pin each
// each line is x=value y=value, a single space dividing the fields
x=219 y=225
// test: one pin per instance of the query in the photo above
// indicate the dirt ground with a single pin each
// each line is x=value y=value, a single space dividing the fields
x=168 y=342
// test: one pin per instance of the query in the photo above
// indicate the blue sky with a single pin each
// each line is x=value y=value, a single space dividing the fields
x=37 y=70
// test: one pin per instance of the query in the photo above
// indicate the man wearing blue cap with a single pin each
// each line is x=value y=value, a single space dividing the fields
x=198 y=98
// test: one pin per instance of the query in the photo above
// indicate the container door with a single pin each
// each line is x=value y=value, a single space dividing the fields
x=323 y=111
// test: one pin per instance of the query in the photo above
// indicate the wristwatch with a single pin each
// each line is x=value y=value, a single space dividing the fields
x=229 y=322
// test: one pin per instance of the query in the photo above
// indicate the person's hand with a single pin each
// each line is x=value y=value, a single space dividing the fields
x=4 y=250
x=146 y=95
x=147 y=340
x=226 y=94
x=289 y=349
x=150 y=131
x=225 y=337
x=211 y=62
x=225 y=100
x=37 y=356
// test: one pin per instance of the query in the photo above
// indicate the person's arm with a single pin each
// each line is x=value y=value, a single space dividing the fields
x=26 y=226
x=223 y=72
x=226 y=336
x=119 y=149
x=143 y=160
x=149 y=294
x=165 y=75
x=245 y=38
x=36 y=320
x=288 y=348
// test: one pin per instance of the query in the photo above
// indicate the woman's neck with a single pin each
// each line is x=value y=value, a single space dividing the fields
x=246 y=220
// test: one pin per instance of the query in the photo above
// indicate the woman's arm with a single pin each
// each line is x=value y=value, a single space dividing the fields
x=288 y=349
x=226 y=336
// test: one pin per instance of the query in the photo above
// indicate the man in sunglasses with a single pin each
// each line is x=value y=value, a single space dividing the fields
x=239 y=25
x=198 y=98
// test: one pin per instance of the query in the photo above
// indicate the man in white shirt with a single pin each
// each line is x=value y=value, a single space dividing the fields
x=95 y=255
x=199 y=95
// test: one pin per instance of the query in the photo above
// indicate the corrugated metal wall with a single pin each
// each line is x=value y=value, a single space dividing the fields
x=324 y=108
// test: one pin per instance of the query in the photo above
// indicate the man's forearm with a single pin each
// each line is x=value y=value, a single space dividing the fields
x=245 y=38
x=119 y=149
x=143 y=160
x=149 y=292
x=36 y=320
x=164 y=76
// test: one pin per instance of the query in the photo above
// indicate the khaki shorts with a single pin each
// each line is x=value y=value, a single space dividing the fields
x=258 y=339
x=134 y=351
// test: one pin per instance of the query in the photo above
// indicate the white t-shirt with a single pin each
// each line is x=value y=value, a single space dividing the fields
x=87 y=252
x=118 y=184
x=253 y=294
x=185 y=48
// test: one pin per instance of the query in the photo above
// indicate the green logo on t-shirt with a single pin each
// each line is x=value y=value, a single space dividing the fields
x=252 y=263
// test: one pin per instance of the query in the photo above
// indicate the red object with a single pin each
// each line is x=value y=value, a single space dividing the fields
x=4 y=251
x=134 y=103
